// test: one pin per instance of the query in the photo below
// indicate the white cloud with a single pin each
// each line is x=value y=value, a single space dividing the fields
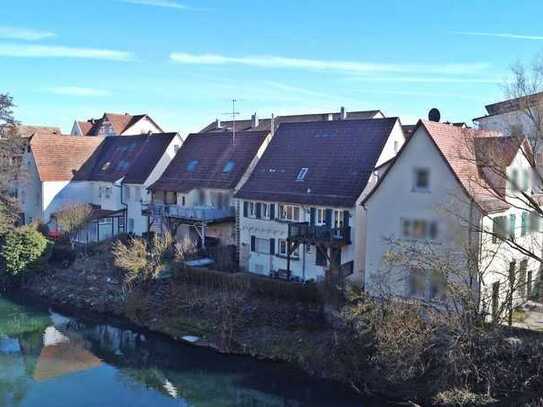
x=44 y=51
x=352 y=67
x=25 y=34
x=501 y=35
x=427 y=79
x=158 y=3
x=78 y=91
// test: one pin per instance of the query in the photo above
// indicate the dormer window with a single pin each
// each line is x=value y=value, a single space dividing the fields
x=422 y=180
x=301 y=174
x=191 y=166
x=229 y=166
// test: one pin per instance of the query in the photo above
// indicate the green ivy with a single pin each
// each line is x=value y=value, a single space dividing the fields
x=22 y=248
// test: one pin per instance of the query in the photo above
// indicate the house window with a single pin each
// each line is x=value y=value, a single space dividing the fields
x=171 y=198
x=514 y=179
x=301 y=174
x=262 y=246
x=229 y=166
x=252 y=209
x=105 y=221
x=523 y=271
x=338 y=218
x=524 y=224
x=289 y=212
x=416 y=283
x=265 y=211
x=422 y=180
x=131 y=225
x=499 y=228
x=320 y=259
x=419 y=229
x=512 y=225
x=191 y=166
x=127 y=193
x=396 y=146
x=283 y=249
x=320 y=216
x=534 y=222
x=525 y=180
x=107 y=192
x=438 y=287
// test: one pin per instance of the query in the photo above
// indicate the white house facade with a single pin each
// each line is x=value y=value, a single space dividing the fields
x=299 y=211
x=441 y=201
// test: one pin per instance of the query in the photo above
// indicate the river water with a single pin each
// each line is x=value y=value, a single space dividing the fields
x=50 y=360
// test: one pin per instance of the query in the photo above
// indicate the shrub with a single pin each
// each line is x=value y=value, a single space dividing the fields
x=23 y=247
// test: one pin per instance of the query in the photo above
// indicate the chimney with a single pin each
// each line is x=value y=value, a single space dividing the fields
x=218 y=123
x=342 y=113
x=254 y=121
x=272 y=124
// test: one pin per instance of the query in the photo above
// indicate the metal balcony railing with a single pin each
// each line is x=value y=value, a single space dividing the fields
x=304 y=232
x=195 y=213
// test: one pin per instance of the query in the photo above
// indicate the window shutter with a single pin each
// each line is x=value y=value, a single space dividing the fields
x=258 y=210
x=312 y=216
x=346 y=217
x=253 y=243
x=245 y=209
x=328 y=217
x=272 y=211
x=272 y=246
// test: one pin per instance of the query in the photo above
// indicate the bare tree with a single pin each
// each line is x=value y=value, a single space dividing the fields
x=72 y=218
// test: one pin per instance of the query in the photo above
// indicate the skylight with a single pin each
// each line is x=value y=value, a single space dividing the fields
x=106 y=166
x=229 y=166
x=191 y=166
x=301 y=174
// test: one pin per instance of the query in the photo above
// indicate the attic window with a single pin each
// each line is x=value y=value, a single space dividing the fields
x=229 y=166
x=191 y=166
x=106 y=166
x=301 y=174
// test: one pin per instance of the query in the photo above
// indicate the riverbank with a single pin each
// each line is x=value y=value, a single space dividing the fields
x=220 y=311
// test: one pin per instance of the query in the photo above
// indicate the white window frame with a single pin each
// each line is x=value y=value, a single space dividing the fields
x=320 y=216
x=284 y=212
x=262 y=246
x=338 y=218
x=252 y=209
x=283 y=249
x=302 y=173
x=416 y=172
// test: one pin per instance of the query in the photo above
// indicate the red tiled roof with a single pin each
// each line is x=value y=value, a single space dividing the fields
x=59 y=157
x=210 y=153
x=476 y=158
x=340 y=157
x=119 y=122
x=26 y=131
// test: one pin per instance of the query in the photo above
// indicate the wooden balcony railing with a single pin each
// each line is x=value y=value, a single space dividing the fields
x=323 y=234
x=196 y=214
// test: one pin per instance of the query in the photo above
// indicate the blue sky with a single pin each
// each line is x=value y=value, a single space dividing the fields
x=183 y=61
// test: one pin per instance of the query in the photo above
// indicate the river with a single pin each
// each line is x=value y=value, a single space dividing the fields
x=50 y=360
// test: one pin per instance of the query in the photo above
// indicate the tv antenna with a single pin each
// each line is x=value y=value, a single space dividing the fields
x=233 y=113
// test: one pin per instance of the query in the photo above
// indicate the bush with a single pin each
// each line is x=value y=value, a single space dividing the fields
x=23 y=247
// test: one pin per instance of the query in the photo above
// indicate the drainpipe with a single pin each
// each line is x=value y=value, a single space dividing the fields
x=125 y=208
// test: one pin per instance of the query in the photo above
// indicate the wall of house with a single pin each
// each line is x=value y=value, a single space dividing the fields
x=30 y=190
x=396 y=199
x=303 y=267
x=393 y=144
x=143 y=126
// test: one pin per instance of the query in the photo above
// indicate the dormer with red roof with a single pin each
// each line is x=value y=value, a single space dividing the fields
x=113 y=124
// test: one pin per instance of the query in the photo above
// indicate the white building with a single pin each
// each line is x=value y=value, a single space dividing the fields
x=50 y=163
x=194 y=196
x=301 y=214
x=110 y=174
x=112 y=124
x=444 y=195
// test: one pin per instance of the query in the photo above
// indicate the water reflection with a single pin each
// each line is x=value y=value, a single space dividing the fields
x=47 y=359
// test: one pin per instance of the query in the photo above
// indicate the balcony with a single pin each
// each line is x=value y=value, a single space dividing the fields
x=189 y=214
x=326 y=235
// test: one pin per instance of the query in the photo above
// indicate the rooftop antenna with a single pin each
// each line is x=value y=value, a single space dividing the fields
x=234 y=114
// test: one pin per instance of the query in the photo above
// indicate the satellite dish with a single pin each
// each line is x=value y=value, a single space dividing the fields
x=434 y=115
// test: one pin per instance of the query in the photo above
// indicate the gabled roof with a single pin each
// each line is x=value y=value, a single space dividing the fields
x=340 y=157
x=475 y=157
x=513 y=105
x=58 y=157
x=131 y=158
x=265 y=124
x=27 y=131
x=211 y=160
x=119 y=122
